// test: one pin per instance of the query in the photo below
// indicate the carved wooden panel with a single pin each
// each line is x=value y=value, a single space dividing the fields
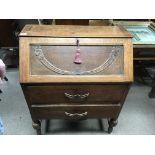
x=59 y=60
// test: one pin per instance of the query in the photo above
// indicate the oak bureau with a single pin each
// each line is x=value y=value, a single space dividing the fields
x=75 y=72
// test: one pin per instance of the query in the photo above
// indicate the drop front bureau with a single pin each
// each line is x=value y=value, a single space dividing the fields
x=75 y=72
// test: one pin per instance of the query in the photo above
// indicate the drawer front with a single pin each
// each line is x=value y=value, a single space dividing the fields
x=81 y=94
x=74 y=112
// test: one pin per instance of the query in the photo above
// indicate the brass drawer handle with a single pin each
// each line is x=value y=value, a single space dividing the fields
x=77 y=96
x=76 y=115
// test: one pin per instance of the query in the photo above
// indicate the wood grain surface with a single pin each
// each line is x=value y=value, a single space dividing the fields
x=74 y=31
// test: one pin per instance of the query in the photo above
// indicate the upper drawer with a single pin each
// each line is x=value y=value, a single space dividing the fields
x=75 y=60
x=75 y=94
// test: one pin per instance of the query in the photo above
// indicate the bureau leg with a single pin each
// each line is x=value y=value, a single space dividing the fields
x=37 y=126
x=112 y=123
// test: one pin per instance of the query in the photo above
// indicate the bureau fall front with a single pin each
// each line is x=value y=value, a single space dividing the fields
x=75 y=72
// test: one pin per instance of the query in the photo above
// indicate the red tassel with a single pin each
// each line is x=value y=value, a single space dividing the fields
x=77 y=57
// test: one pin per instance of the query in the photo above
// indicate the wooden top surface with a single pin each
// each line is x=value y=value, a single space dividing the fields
x=74 y=31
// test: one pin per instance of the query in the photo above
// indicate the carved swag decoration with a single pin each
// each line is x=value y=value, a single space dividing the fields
x=40 y=55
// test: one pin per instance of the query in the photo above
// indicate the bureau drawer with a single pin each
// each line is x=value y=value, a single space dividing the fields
x=75 y=94
x=74 y=112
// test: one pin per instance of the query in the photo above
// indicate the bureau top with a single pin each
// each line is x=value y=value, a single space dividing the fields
x=74 y=31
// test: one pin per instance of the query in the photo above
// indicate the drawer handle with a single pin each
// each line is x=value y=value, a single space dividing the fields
x=77 y=96
x=76 y=115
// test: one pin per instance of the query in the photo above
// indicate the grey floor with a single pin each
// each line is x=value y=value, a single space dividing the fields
x=137 y=116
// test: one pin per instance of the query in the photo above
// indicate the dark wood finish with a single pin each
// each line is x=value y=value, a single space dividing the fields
x=7 y=33
x=56 y=94
x=72 y=21
x=8 y=40
x=55 y=87
x=144 y=54
x=58 y=111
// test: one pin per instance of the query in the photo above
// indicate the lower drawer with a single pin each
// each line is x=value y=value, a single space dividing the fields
x=74 y=112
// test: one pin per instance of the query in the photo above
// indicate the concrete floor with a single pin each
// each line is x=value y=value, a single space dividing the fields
x=137 y=116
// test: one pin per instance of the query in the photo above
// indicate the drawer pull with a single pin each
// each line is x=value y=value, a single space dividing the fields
x=76 y=115
x=77 y=96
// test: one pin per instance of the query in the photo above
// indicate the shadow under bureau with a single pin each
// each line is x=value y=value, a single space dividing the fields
x=75 y=72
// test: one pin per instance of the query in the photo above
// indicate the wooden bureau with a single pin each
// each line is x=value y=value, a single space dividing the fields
x=75 y=72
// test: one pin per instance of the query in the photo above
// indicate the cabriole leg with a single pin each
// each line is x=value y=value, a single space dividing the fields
x=112 y=123
x=37 y=126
